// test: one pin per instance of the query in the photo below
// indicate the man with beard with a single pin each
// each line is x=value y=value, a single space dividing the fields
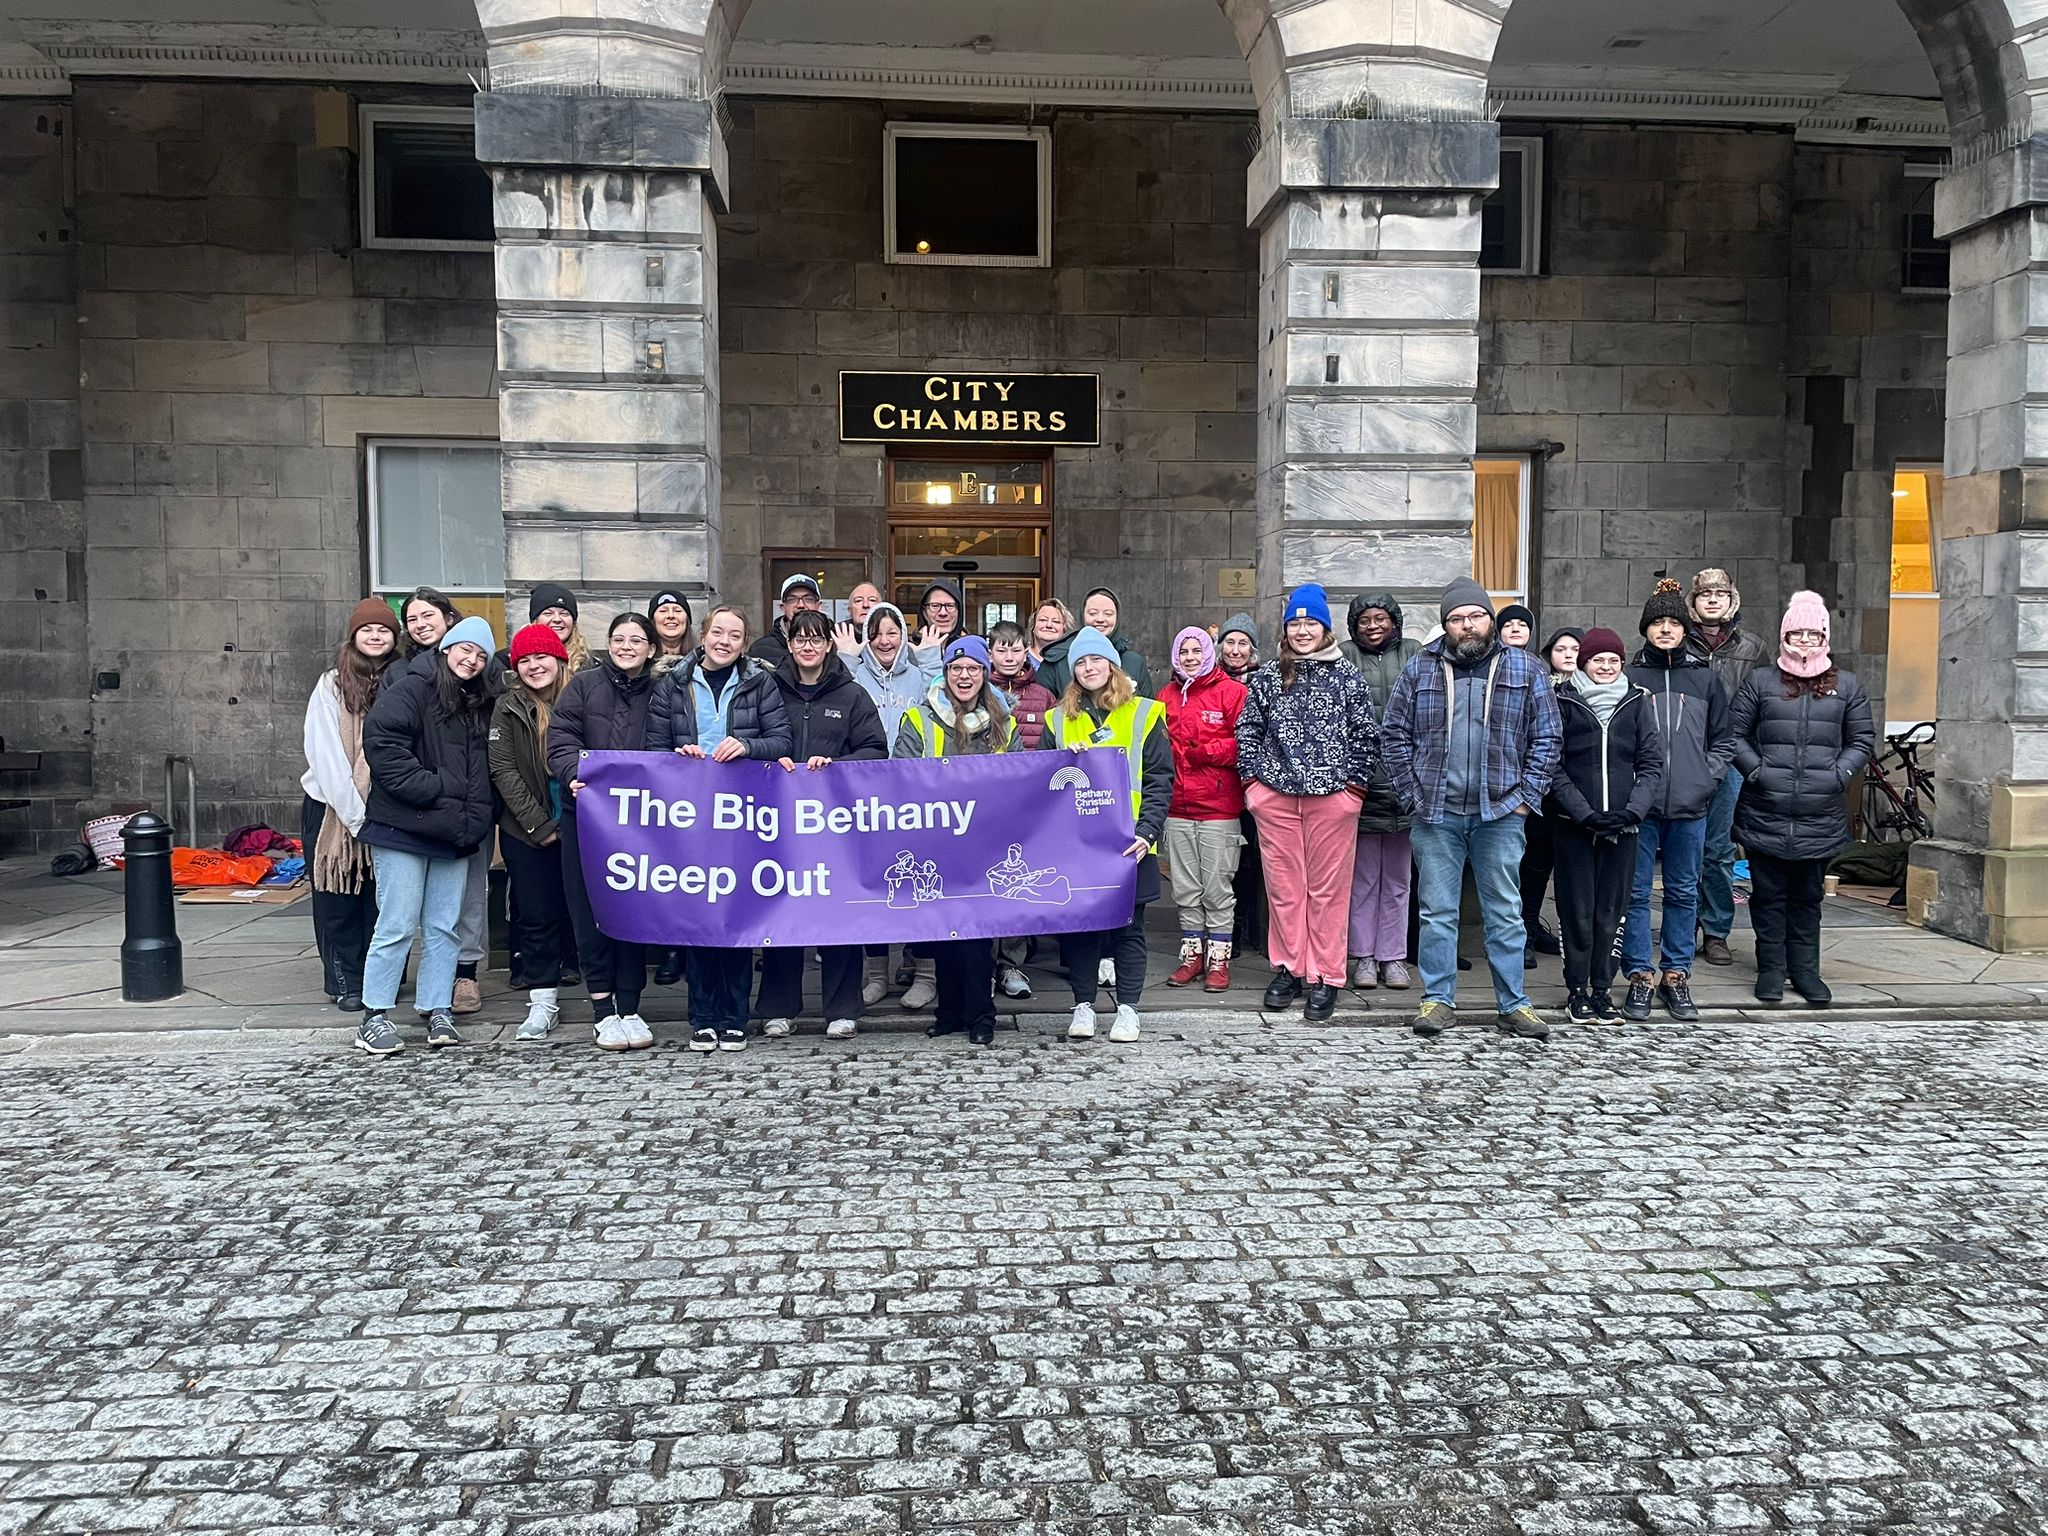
x=1470 y=742
x=1715 y=607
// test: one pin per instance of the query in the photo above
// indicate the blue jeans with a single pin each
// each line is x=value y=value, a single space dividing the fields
x=414 y=894
x=1717 y=874
x=1681 y=843
x=1494 y=850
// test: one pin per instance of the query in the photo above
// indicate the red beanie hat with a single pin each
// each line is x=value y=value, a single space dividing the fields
x=1597 y=641
x=537 y=640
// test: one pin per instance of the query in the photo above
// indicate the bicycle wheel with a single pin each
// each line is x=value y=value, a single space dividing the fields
x=1918 y=823
x=1878 y=818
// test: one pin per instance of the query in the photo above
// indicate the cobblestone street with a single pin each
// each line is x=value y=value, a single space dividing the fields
x=1775 y=1276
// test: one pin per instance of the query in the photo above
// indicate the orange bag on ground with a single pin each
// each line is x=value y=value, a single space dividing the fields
x=210 y=866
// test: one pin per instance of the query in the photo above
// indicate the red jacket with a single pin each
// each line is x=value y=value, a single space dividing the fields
x=1201 y=722
x=1030 y=702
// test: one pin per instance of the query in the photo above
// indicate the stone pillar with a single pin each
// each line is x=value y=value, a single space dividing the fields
x=609 y=165
x=1369 y=350
x=1984 y=876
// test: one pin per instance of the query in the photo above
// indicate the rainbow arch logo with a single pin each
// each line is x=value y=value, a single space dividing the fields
x=1070 y=778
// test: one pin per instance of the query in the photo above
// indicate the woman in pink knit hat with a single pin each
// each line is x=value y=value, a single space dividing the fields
x=1802 y=731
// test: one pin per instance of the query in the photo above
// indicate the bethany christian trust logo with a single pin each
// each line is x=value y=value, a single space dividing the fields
x=1088 y=800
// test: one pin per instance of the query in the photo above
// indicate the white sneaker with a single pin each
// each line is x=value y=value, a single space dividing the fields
x=638 y=1035
x=1125 y=1029
x=841 y=1029
x=924 y=987
x=776 y=1029
x=1105 y=973
x=1015 y=983
x=540 y=1019
x=1083 y=1027
x=612 y=1034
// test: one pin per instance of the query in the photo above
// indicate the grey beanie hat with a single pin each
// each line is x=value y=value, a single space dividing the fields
x=1240 y=623
x=1463 y=593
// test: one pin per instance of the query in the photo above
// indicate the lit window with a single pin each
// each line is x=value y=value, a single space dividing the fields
x=436 y=517
x=977 y=195
x=1913 y=652
x=1924 y=258
x=422 y=188
x=1511 y=218
x=1500 y=528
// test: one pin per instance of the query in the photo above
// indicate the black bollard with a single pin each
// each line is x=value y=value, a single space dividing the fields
x=152 y=958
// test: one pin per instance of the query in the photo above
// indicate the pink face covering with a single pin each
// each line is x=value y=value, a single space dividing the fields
x=1812 y=664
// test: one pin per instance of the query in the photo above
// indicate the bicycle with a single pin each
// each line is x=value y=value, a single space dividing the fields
x=1889 y=808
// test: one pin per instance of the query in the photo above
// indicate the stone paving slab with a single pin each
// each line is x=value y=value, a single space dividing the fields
x=1234 y=1279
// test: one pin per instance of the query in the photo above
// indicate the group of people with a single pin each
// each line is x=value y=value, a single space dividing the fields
x=1333 y=803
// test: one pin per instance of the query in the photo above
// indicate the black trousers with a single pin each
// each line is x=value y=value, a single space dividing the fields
x=1083 y=954
x=342 y=925
x=1784 y=909
x=966 y=976
x=1594 y=878
x=781 y=994
x=1249 y=887
x=537 y=911
x=609 y=966
x=1538 y=860
x=720 y=980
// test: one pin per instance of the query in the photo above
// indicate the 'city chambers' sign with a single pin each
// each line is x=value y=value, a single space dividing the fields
x=1062 y=408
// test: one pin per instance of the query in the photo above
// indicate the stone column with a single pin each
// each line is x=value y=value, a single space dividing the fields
x=1369 y=351
x=1984 y=877
x=609 y=165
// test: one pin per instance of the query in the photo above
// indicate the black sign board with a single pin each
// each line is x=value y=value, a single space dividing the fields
x=1057 y=408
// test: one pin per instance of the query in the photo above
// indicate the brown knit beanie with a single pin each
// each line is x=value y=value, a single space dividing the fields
x=371 y=610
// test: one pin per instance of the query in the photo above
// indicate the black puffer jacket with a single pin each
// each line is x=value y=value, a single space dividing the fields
x=430 y=775
x=756 y=717
x=1797 y=756
x=602 y=710
x=1618 y=767
x=1692 y=717
x=1382 y=812
x=836 y=719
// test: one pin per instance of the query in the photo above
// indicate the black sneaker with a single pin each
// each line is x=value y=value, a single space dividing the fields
x=441 y=1030
x=732 y=1039
x=1322 y=1002
x=1642 y=992
x=1604 y=1009
x=1283 y=991
x=1676 y=996
x=703 y=1038
x=1579 y=1008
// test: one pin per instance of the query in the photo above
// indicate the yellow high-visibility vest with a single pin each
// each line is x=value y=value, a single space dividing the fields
x=1128 y=726
x=934 y=734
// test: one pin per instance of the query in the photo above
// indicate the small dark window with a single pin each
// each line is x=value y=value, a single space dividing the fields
x=1511 y=219
x=967 y=197
x=423 y=184
x=1924 y=261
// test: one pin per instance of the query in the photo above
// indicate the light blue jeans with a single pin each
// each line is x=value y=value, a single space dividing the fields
x=1679 y=844
x=1494 y=850
x=414 y=894
x=1717 y=872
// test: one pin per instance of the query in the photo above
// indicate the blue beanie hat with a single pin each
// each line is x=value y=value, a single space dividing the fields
x=1309 y=602
x=1091 y=642
x=471 y=631
x=970 y=648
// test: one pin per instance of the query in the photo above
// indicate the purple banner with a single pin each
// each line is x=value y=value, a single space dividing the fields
x=683 y=850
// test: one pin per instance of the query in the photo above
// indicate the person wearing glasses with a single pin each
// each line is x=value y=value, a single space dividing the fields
x=1472 y=740
x=941 y=619
x=799 y=594
x=1803 y=730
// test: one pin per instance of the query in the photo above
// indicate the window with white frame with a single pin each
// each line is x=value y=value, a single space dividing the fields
x=1500 y=528
x=967 y=194
x=1511 y=218
x=1923 y=256
x=436 y=515
x=421 y=188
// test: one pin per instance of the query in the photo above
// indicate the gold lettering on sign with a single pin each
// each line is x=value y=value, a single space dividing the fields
x=1057 y=421
x=882 y=423
x=935 y=388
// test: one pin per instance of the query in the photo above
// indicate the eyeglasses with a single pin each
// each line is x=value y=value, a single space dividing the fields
x=809 y=641
x=1805 y=636
x=1465 y=620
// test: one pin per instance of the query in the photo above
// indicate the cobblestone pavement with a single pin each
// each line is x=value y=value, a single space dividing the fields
x=1232 y=1280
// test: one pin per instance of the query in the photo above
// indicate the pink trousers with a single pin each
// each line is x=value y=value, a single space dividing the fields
x=1309 y=844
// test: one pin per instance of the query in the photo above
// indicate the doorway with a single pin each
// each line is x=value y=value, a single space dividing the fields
x=984 y=522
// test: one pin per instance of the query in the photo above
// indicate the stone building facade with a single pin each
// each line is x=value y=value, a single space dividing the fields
x=1297 y=353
